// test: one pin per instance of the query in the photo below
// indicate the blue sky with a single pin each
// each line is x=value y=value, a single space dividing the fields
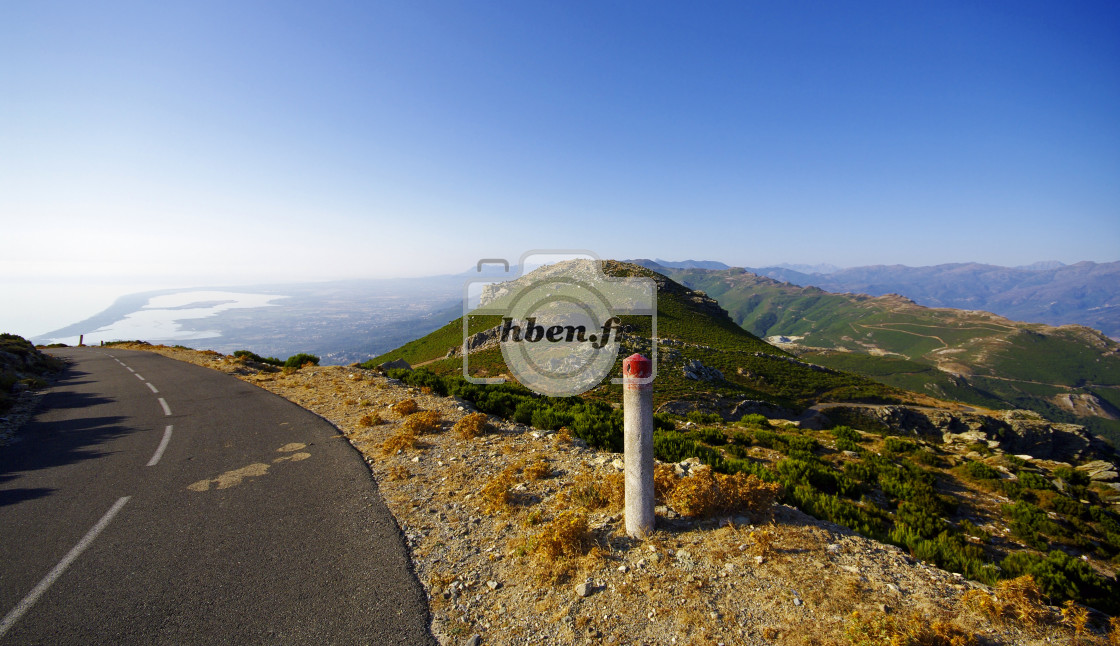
x=172 y=144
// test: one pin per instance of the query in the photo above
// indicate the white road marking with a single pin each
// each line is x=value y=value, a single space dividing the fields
x=162 y=445
x=149 y=385
x=166 y=408
x=139 y=377
x=129 y=369
x=23 y=606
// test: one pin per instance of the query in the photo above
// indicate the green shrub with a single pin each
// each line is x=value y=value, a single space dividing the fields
x=1032 y=480
x=1030 y=524
x=896 y=445
x=698 y=417
x=980 y=471
x=846 y=433
x=301 y=359
x=252 y=356
x=712 y=436
x=1061 y=577
x=754 y=419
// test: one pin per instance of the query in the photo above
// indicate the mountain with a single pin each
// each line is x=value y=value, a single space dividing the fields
x=692 y=264
x=1069 y=373
x=696 y=337
x=1085 y=293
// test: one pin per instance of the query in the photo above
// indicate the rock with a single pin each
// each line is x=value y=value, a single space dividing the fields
x=685 y=560
x=833 y=548
x=1099 y=470
x=493 y=585
x=699 y=372
x=475 y=640
x=884 y=608
x=797 y=601
x=395 y=363
x=759 y=559
x=584 y=589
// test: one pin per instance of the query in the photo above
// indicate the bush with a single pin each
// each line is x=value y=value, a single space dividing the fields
x=566 y=536
x=705 y=493
x=896 y=446
x=471 y=426
x=980 y=471
x=698 y=417
x=1030 y=523
x=404 y=439
x=754 y=419
x=370 y=420
x=1061 y=577
x=846 y=433
x=423 y=422
x=405 y=407
x=300 y=360
x=252 y=356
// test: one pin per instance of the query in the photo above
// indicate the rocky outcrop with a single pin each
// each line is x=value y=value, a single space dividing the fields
x=395 y=363
x=699 y=372
x=1016 y=432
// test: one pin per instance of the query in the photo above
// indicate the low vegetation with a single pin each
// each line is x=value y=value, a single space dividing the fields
x=22 y=367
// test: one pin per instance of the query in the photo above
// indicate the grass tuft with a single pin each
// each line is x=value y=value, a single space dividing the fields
x=471 y=426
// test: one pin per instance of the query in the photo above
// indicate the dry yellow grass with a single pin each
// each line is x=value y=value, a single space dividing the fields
x=593 y=492
x=423 y=422
x=495 y=494
x=1018 y=599
x=372 y=419
x=471 y=426
x=706 y=493
x=405 y=407
x=538 y=469
x=916 y=630
x=403 y=440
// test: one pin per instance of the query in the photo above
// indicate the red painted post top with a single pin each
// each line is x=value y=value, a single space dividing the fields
x=636 y=367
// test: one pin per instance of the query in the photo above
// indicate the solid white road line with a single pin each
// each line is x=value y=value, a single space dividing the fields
x=166 y=408
x=149 y=385
x=33 y=596
x=162 y=445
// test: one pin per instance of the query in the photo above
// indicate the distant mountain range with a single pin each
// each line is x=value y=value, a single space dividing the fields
x=1069 y=373
x=1086 y=293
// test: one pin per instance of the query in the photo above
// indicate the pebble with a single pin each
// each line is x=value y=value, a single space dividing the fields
x=493 y=585
x=584 y=589
x=475 y=640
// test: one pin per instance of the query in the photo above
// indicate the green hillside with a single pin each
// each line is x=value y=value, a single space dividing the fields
x=974 y=357
x=690 y=327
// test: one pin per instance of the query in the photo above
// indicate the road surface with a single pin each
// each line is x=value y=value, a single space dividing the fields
x=152 y=501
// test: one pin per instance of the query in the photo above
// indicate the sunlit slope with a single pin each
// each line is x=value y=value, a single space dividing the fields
x=971 y=356
x=691 y=328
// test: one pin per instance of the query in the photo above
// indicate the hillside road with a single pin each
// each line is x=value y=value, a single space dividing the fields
x=151 y=501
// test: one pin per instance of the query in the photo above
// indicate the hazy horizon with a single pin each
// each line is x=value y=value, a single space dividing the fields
x=84 y=301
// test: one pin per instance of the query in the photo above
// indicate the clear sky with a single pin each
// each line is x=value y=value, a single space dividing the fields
x=154 y=144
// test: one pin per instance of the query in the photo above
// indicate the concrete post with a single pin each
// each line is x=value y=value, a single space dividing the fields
x=637 y=408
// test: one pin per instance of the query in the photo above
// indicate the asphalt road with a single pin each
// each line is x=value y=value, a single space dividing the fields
x=255 y=522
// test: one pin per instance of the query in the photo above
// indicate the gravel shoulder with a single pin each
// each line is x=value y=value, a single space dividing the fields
x=779 y=578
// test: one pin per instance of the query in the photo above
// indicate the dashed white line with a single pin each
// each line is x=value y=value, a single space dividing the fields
x=139 y=377
x=23 y=606
x=162 y=445
x=149 y=385
x=129 y=369
x=166 y=408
